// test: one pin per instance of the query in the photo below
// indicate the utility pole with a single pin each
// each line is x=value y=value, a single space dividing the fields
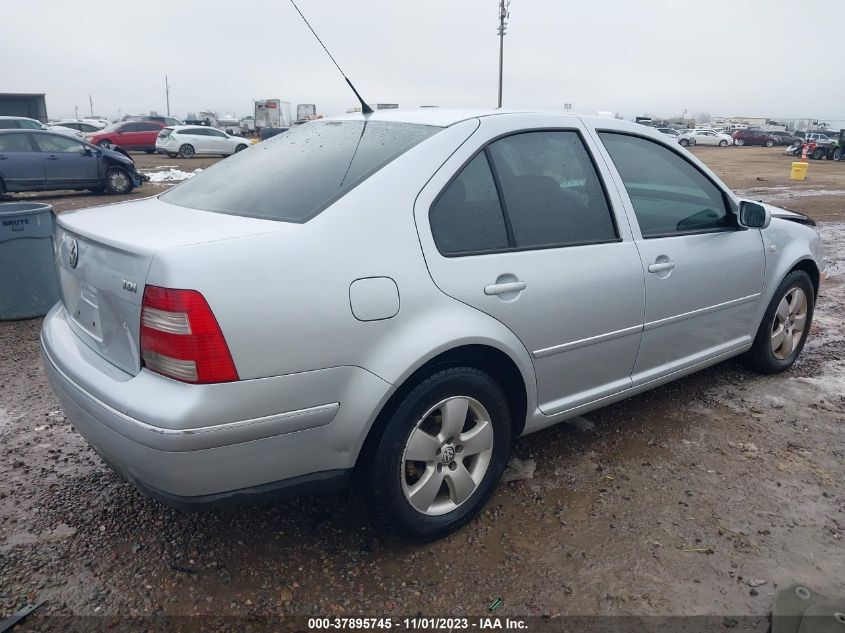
x=76 y=111
x=167 y=94
x=504 y=14
x=91 y=103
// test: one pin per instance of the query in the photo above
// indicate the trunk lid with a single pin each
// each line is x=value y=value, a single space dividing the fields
x=103 y=256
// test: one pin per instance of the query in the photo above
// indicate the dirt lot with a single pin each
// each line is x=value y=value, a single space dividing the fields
x=680 y=501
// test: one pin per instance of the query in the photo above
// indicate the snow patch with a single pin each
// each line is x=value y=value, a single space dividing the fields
x=171 y=175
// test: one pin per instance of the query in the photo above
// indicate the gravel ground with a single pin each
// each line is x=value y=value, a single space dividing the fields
x=700 y=497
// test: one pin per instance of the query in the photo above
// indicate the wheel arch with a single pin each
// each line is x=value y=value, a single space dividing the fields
x=485 y=357
x=812 y=270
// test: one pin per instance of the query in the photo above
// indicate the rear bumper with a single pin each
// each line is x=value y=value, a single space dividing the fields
x=200 y=444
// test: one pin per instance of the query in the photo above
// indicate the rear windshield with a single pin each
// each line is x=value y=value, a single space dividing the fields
x=165 y=132
x=297 y=174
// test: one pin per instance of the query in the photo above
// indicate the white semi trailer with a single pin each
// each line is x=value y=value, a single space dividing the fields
x=272 y=113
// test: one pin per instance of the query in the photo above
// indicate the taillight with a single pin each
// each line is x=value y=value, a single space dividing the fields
x=180 y=337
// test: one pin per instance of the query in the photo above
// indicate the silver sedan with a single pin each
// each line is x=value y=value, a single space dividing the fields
x=388 y=300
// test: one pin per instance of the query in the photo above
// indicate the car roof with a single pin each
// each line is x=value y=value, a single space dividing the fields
x=444 y=117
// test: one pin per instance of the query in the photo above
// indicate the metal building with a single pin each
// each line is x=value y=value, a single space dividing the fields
x=30 y=105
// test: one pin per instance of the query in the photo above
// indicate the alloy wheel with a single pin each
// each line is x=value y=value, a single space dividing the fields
x=118 y=181
x=789 y=323
x=446 y=455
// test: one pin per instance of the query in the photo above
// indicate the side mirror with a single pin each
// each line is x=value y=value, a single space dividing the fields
x=87 y=151
x=753 y=215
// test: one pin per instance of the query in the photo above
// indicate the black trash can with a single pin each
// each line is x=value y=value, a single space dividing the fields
x=28 y=285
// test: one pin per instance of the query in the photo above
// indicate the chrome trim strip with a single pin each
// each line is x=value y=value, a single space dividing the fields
x=651 y=325
x=328 y=411
x=601 y=338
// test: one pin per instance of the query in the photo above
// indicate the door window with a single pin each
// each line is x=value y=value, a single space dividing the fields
x=14 y=143
x=551 y=192
x=148 y=127
x=58 y=144
x=130 y=127
x=467 y=216
x=668 y=193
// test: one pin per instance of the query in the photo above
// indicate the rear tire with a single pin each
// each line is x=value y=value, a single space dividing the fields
x=187 y=151
x=770 y=143
x=118 y=181
x=818 y=154
x=683 y=142
x=837 y=154
x=457 y=423
x=104 y=143
x=786 y=323
x=240 y=148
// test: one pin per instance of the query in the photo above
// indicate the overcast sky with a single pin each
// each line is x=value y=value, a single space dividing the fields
x=725 y=57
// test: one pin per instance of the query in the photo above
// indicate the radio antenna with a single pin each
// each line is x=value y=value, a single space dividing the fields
x=365 y=109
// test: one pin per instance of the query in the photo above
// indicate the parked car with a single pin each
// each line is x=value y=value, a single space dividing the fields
x=753 y=136
x=784 y=138
x=670 y=131
x=25 y=123
x=35 y=160
x=704 y=137
x=819 y=138
x=256 y=342
x=131 y=135
x=79 y=126
x=188 y=141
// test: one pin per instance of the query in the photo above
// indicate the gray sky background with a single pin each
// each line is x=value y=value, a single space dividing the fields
x=725 y=57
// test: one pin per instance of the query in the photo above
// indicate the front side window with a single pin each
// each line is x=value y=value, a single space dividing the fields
x=58 y=144
x=669 y=194
x=294 y=176
x=14 y=143
x=467 y=216
x=551 y=192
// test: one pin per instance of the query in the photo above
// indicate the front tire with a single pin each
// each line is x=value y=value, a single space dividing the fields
x=440 y=456
x=240 y=148
x=740 y=142
x=770 y=143
x=818 y=154
x=723 y=143
x=684 y=142
x=837 y=154
x=187 y=151
x=118 y=181
x=104 y=143
x=172 y=154
x=785 y=325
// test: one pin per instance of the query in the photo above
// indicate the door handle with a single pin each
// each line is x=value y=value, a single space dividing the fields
x=51 y=158
x=4 y=157
x=661 y=267
x=500 y=289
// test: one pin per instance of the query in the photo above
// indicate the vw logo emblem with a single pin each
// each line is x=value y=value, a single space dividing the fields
x=447 y=455
x=73 y=253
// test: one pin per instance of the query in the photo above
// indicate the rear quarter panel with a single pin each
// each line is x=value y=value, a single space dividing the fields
x=282 y=299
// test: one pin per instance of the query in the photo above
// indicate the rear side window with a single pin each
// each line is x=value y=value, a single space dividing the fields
x=551 y=192
x=467 y=217
x=14 y=143
x=295 y=175
x=8 y=124
x=669 y=194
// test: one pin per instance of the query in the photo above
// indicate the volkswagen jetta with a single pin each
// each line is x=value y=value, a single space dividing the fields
x=393 y=298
